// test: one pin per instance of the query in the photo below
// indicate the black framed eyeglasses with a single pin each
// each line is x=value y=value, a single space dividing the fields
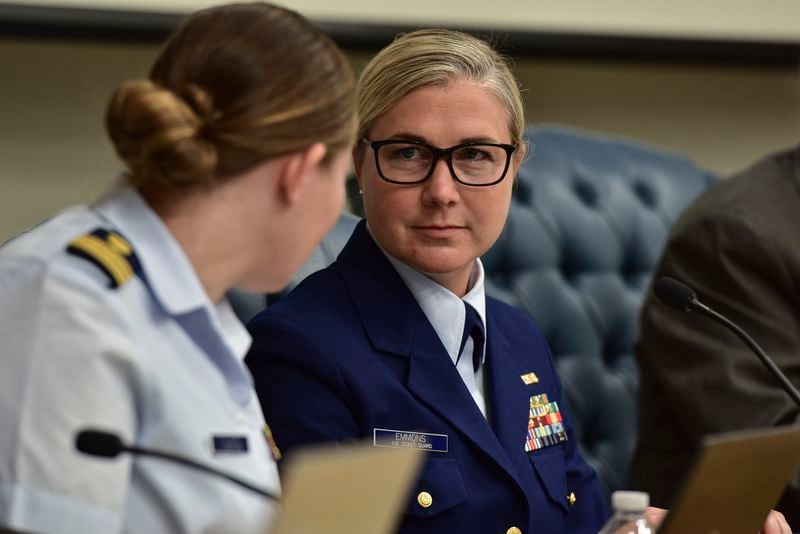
x=411 y=162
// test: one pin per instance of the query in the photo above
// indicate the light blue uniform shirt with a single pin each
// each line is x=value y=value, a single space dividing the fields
x=157 y=362
x=446 y=313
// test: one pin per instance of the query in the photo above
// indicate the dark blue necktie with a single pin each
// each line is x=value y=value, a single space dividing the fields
x=473 y=327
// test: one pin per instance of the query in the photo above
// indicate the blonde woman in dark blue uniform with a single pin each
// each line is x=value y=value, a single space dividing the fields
x=114 y=315
x=396 y=342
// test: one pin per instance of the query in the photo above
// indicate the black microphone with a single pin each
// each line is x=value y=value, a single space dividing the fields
x=683 y=298
x=108 y=445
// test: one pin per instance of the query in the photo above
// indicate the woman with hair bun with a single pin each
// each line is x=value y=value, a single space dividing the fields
x=113 y=316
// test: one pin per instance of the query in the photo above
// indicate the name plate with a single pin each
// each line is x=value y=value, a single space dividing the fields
x=404 y=439
x=229 y=444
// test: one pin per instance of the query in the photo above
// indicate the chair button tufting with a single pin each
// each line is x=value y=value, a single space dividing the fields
x=645 y=193
x=586 y=192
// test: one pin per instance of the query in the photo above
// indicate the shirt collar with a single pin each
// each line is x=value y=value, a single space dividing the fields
x=443 y=308
x=168 y=271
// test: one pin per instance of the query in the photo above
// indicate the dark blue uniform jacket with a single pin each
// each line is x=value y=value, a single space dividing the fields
x=349 y=350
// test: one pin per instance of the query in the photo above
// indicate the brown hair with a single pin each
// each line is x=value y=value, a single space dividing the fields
x=233 y=86
x=436 y=57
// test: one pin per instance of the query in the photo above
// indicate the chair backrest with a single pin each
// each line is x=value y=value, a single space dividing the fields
x=588 y=220
x=589 y=216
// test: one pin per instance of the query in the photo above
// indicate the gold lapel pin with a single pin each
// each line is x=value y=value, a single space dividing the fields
x=273 y=446
x=529 y=378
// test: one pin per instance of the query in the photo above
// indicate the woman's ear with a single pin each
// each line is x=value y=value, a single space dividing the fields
x=358 y=155
x=521 y=152
x=296 y=169
x=517 y=158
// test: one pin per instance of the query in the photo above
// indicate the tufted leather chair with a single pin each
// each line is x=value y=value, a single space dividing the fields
x=588 y=219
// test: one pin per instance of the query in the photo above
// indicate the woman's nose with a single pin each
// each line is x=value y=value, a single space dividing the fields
x=441 y=187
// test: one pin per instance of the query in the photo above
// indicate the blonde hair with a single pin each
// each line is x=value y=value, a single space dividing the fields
x=436 y=57
x=233 y=86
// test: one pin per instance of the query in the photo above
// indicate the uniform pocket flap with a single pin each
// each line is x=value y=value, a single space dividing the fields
x=551 y=470
x=439 y=487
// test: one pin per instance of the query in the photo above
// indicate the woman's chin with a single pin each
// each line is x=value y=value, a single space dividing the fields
x=443 y=268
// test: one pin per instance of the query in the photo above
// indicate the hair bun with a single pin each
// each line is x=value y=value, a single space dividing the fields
x=159 y=135
x=201 y=102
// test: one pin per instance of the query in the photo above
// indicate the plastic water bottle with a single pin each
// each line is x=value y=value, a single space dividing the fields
x=628 y=515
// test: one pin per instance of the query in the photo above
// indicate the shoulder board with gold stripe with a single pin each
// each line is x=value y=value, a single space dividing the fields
x=109 y=251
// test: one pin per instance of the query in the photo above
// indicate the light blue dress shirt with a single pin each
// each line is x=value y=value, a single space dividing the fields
x=154 y=361
x=446 y=313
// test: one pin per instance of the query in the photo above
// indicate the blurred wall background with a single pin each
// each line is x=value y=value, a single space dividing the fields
x=724 y=110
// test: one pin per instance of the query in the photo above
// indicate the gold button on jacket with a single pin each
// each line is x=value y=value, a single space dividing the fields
x=513 y=530
x=424 y=499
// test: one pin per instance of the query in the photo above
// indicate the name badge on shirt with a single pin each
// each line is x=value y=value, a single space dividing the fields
x=404 y=439
x=229 y=444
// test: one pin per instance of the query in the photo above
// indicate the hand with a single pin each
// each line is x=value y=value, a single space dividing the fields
x=656 y=515
x=776 y=524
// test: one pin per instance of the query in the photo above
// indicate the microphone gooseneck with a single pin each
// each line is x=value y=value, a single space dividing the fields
x=108 y=445
x=678 y=295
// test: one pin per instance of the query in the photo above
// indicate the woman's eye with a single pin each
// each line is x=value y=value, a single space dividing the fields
x=473 y=154
x=408 y=153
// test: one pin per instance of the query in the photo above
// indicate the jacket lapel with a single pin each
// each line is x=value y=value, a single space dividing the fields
x=508 y=396
x=386 y=307
x=396 y=324
x=434 y=380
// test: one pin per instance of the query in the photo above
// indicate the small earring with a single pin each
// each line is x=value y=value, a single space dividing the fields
x=360 y=192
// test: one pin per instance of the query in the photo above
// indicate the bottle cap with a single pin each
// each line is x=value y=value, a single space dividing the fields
x=630 y=501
